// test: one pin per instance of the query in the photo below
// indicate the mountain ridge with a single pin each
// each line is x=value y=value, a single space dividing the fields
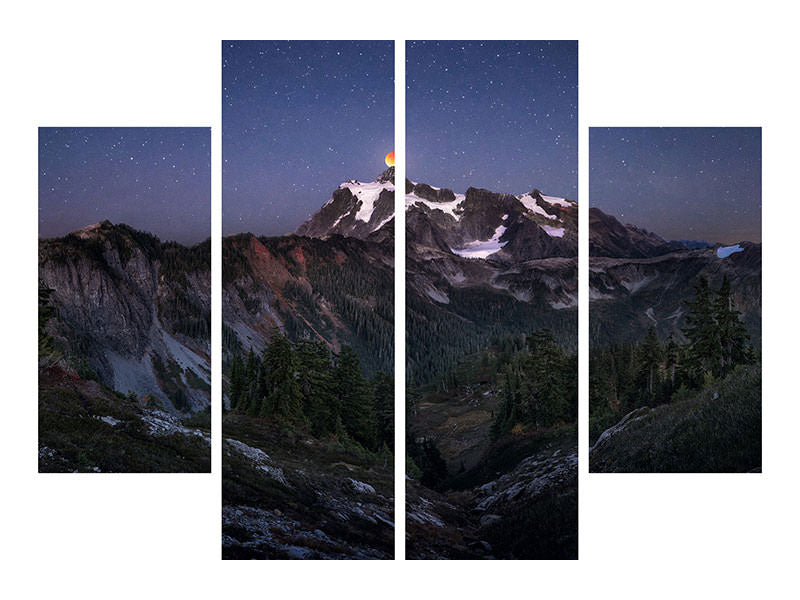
x=132 y=311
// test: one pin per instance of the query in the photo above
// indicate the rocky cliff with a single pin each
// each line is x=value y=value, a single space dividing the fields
x=132 y=312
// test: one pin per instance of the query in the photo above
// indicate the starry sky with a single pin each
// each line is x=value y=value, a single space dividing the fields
x=501 y=115
x=699 y=183
x=155 y=179
x=298 y=119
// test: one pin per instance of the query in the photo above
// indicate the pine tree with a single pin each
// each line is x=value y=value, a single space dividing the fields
x=237 y=381
x=649 y=357
x=701 y=330
x=732 y=334
x=315 y=374
x=354 y=398
x=282 y=393
x=383 y=386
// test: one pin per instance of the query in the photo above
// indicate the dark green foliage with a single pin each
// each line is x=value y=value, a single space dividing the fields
x=628 y=376
x=715 y=429
x=424 y=458
x=439 y=338
x=304 y=384
x=281 y=390
x=48 y=354
x=539 y=387
x=68 y=426
x=383 y=385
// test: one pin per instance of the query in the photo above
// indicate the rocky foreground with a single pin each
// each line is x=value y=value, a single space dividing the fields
x=287 y=495
x=529 y=512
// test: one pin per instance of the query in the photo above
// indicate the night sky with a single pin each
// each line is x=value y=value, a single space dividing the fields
x=298 y=119
x=694 y=183
x=155 y=179
x=500 y=115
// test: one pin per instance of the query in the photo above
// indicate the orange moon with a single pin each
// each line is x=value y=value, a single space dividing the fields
x=389 y=159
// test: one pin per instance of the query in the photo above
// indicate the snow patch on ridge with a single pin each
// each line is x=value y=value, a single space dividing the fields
x=482 y=249
x=446 y=207
x=557 y=201
x=553 y=231
x=530 y=203
x=726 y=251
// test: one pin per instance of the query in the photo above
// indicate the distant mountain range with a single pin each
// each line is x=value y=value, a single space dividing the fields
x=637 y=280
x=478 y=264
x=132 y=312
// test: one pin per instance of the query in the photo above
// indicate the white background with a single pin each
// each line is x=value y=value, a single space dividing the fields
x=158 y=63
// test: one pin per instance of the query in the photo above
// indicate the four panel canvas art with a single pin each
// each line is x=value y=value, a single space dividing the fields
x=491 y=294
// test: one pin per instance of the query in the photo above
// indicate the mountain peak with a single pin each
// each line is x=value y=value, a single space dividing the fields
x=94 y=229
x=355 y=209
x=386 y=176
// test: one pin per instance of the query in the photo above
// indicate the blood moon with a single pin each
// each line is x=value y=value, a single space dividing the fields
x=389 y=159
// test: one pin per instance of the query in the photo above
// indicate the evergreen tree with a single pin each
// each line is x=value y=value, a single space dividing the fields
x=383 y=386
x=354 y=399
x=316 y=386
x=282 y=398
x=237 y=381
x=733 y=338
x=701 y=330
x=649 y=357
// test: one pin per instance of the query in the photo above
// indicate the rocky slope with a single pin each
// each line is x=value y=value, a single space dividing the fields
x=610 y=238
x=338 y=290
x=287 y=495
x=85 y=426
x=132 y=312
x=715 y=430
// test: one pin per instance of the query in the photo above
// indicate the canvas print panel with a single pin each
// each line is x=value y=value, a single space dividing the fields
x=124 y=299
x=675 y=299
x=492 y=292
x=308 y=302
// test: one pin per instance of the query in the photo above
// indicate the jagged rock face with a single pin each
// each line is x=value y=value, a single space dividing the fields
x=483 y=261
x=608 y=237
x=356 y=209
x=491 y=226
x=628 y=296
x=134 y=310
x=338 y=290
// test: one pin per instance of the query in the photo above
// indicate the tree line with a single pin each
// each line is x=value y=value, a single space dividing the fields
x=306 y=384
x=539 y=387
x=624 y=377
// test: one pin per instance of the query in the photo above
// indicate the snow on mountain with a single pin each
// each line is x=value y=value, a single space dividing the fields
x=530 y=203
x=355 y=209
x=450 y=208
x=368 y=194
x=553 y=231
x=557 y=201
x=726 y=251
